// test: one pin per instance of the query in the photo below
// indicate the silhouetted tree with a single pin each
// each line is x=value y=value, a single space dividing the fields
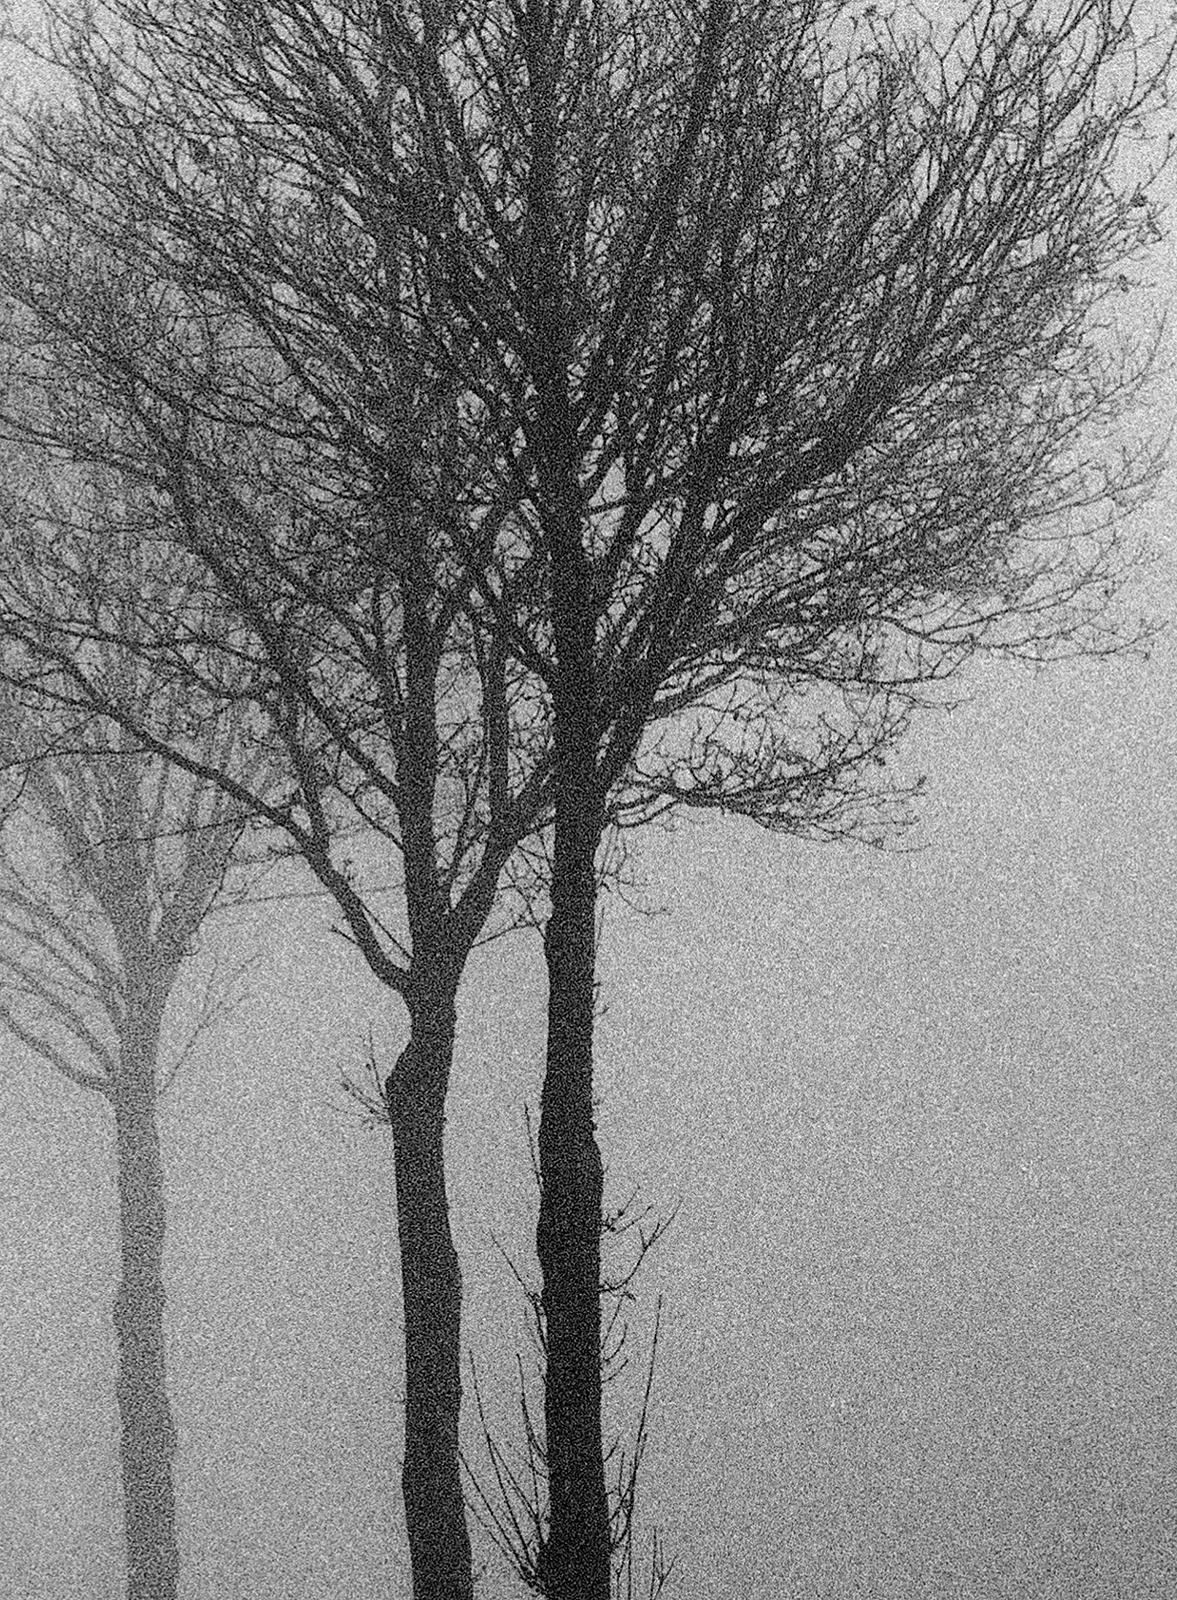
x=110 y=861
x=583 y=408
x=798 y=342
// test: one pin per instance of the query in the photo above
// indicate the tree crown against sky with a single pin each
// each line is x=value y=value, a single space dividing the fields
x=831 y=295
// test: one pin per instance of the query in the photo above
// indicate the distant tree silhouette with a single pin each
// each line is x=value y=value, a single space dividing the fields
x=581 y=409
x=110 y=860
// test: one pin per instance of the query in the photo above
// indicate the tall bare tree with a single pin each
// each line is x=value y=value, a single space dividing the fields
x=808 y=376
x=582 y=409
x=111 y=862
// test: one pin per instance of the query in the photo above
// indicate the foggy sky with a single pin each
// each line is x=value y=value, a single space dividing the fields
x=920 y=1113
x=920 y=1293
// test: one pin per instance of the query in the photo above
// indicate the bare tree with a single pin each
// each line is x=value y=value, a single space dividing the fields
x=582 y=409
x=808 y=375
x=111 y=862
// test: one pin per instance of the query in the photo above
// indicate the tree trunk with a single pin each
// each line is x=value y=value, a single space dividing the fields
x=577 y=1556
x=148 y=1435
x=435 y=1511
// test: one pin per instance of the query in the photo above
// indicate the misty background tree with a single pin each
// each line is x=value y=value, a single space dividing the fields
x=700 y=390
x=111 y=861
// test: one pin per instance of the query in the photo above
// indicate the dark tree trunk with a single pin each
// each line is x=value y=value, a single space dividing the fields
x=435 y=1512
x=577 y=1556
x=148 y=1434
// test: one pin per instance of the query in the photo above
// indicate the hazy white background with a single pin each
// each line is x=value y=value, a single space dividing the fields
x=921 y=1289
x=920 y=1111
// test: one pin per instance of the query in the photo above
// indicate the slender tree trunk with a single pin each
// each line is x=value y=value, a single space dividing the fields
x=577 y=1557
x=148 y=1434
x=435 y=1511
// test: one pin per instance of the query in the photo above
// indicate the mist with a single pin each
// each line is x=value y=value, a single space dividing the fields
x=916 y=1110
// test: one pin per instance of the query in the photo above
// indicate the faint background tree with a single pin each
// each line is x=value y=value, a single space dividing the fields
x=110 y=862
